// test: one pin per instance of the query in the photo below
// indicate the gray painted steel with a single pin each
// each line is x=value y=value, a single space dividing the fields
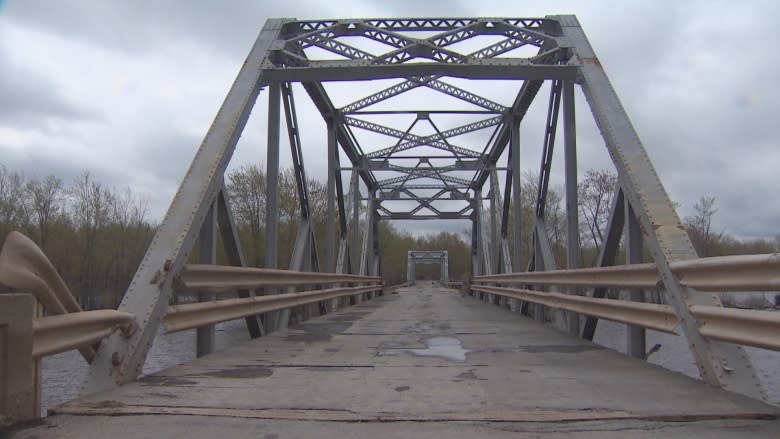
x=148 y=294
x=719 y=363
x=428 y=186
x=207 y=249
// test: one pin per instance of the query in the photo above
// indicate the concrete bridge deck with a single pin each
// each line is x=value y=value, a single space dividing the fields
x=425 y=362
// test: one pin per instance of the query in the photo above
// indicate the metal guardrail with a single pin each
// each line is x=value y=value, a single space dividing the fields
x=224 y=279
x=60 y=333
x=720 y=274
x=723 y=273
x=648 y=315
x=25 y=269
x=193 y=315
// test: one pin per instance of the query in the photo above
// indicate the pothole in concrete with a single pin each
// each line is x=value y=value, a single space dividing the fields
x=449 y=348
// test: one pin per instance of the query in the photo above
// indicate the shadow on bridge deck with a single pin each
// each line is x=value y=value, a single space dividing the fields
x=423 y=362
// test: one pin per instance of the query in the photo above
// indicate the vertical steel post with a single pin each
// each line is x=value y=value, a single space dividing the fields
x=409 y=266
x=272 y=178
x=354 y=254
x=272 y=191
x=572 y=213
x=235 y=256
x=607 y=254
x=475 y=268
x=633 y=243
x=375 y=263
x=207 y=254
x=365 y=258
x=494 y=240
x=480 y=229
x=516 y=183
x=331 y=220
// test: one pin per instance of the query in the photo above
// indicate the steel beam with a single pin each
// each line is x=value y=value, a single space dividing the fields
x=495 y=239
x=296 y=150
x=121 y=359
x=516 y=198
x=607 y=254
x=272 y=177
x=207 y=254
x=722 y=364
x=272 y=321
x=355 y=250
x=366 y=255
x=635 y=338
x=350 y=147
x=364 y=70
x=570 y=182
x=331 y=193
x=232 y=245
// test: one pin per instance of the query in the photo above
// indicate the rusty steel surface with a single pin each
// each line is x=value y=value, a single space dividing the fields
x=193 y=315
x=226 y=279
x=64 y=332
x=722 y=273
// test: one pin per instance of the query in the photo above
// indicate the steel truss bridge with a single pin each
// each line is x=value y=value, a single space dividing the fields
x=394 y=156
x=440 y=257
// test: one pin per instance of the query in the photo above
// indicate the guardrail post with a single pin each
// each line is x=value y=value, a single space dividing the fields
x=19 y=372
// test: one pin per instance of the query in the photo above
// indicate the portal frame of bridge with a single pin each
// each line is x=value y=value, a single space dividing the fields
x=561 y=55
x=441 y=257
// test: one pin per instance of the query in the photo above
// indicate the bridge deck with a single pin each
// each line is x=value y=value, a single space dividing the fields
x=424 y=362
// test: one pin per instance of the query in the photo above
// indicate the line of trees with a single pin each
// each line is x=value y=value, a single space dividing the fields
x=595 y=194
x=96 y=235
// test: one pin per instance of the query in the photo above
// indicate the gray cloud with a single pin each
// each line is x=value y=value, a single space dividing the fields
x=30 y=99
x=696 y=79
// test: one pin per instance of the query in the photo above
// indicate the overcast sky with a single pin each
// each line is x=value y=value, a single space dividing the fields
x=127 y=89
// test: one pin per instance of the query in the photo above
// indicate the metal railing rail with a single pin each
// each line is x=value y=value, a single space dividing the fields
x=193 y=315
x=25 y=269
x=722 y=274
x=744 y=273
x=648 y=315
x=60 y=333
x=228 y=279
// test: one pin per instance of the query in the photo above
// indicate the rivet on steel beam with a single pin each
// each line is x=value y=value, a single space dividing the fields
x=116 y=359
x=167 y=265
x=129 y=329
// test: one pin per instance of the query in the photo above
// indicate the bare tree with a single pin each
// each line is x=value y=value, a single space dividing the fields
x=91 y=208
x=595 y=194
x=246 y=188
x=14 y=202
x=700 y=226
x=46 y=198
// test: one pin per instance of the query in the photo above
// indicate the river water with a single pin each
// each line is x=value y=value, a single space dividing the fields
x=63 y=373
